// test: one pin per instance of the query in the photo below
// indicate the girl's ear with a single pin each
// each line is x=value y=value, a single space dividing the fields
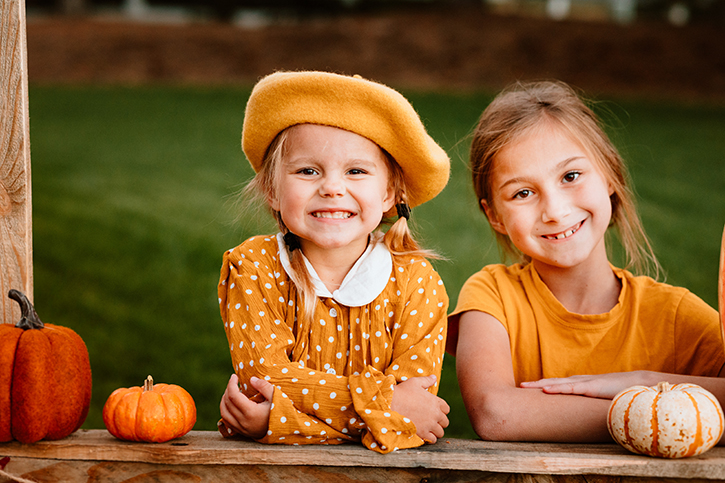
x=272 y=201
x=493 y=218
x=389 y=199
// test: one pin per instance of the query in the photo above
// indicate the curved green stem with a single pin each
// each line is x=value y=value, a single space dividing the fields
x=29 y=319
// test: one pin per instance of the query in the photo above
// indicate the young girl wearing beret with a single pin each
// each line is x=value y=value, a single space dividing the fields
x=551 y=184
x=336 y=329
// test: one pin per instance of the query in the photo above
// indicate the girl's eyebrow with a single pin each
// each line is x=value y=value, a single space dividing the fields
x=297 y=160
x=524 y=179
x=368 y=163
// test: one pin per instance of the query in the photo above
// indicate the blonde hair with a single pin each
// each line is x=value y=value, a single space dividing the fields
x=398 y=238
x=523 y=106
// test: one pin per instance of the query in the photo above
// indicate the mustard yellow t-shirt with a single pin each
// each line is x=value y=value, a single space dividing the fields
x=654 y=326
x=335 y=374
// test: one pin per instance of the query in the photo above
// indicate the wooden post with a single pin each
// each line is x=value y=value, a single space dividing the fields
x=16 y=240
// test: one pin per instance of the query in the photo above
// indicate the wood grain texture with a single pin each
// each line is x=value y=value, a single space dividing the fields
x=16 y=245
x=111 y=472
x=206 y=452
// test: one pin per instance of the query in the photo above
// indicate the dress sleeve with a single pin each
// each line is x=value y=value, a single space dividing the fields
x=308 y=406
x=418 y=338
x=311 y=406
x=419 y=334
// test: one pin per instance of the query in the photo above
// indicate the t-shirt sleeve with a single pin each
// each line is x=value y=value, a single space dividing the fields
x=699 y=345
x=481 y=293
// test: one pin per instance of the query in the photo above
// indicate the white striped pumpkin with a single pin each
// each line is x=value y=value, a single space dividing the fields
x=666 y=421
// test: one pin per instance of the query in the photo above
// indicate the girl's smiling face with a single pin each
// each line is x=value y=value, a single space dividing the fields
x=332 y=188
x=551 y=199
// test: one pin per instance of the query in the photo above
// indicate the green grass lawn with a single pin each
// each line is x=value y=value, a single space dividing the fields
x=133 y=205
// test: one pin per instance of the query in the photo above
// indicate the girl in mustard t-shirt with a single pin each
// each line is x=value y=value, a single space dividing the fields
x=551 y=184
x=336 y=329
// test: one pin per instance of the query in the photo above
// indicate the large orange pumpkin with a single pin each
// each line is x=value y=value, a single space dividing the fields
x=666 y=421
x=45 y=378
x=154 y=413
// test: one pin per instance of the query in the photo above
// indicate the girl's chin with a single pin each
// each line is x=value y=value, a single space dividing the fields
x=332 y=244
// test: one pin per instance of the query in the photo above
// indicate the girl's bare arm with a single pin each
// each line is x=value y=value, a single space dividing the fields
x=500 y=411
x=609 y=385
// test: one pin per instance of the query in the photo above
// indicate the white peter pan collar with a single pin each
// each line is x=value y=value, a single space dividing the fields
x=365 y=280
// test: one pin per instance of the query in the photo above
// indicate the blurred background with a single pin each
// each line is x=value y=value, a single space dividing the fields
x=136 y=108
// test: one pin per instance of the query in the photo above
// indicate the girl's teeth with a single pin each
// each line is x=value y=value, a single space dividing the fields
x=327 y=214
x=566 y=234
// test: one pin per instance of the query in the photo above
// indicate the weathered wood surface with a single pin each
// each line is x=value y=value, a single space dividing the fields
x=16 y=246
x=205 y=456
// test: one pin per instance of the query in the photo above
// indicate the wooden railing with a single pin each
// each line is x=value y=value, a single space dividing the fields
x=96 y=456
x=16 y=246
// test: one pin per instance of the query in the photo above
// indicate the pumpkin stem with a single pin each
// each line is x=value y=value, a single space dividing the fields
x=148 y=384
x=29 y=319
x=663 y=386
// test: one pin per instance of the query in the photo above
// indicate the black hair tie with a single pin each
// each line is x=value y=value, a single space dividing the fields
x=292 y=241
x=403 y=210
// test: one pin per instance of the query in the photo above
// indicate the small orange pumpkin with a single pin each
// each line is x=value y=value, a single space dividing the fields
x=666 y=421
x=154 y=413
x=45 y=378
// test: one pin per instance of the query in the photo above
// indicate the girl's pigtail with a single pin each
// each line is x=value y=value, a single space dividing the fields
x=399 y=238
x=300 y=275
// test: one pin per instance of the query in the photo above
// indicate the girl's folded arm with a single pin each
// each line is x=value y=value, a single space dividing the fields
x=418 y=348
x=499 y=410
x=609 y=385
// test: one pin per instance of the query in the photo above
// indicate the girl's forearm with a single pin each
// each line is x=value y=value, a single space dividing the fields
x=515 y=414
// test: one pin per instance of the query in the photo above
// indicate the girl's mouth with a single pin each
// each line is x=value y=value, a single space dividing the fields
x=338 y=215
x=564 y=234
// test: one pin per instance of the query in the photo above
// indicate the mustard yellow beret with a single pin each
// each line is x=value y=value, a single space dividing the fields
x=367 y=108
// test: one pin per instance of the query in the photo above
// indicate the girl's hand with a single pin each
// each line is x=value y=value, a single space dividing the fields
x=426 y=411
x=243 y=415
x=603 y=386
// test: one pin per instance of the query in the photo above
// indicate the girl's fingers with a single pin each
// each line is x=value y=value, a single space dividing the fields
x=443 y=422
x=545 y=382
x=237 y=404
x=265 y=388
x=443 y=405
x=233 y=381
x=230 y=420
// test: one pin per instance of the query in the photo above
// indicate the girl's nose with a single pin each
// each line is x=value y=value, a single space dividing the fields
x=555 y=208
x=332 y=186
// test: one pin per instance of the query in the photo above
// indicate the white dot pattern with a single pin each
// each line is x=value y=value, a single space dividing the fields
x=337 y=374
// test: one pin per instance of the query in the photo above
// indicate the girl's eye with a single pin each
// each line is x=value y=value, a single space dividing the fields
x=521 y=195
x=307 y=171
x=356 y=171
x=571 y=176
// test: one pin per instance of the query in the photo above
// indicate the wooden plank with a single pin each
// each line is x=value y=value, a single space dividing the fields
x=112 y=472
x=203 y=448
x=16 y=246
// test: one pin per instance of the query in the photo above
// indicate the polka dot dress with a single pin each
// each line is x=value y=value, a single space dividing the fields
x=333 y=375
